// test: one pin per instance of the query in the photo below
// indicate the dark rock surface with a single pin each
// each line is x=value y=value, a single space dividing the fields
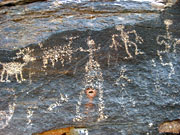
x=132 y=61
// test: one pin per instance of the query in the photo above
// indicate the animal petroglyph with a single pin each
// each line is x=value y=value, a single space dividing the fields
x=94 y=80
x=16 y=68
x=125 y=37
x=6 y=115
x=58 y=53
x=170 y=46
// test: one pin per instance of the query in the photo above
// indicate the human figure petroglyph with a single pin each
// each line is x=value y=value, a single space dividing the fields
x=122 y=77
x=94 y=80
x=168 y=40
x=169 y=43
x=123 y=81
x=126 y=40
x=58 y=53
x=6 y=115
x=16 y=68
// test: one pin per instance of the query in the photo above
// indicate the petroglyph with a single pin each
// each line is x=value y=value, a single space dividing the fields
x=125 y=37
x=64 y=98
x=16 y=68
x=157 y=82
x=93 y=79
x=122 y=77
x=6 y=115
x=58 y=53
x=123 y=81
x=170 y=47
x=30 y=112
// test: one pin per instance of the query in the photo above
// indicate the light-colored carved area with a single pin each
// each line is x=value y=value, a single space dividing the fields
x=123 y=82
x=93 y=79
x=125 y=37
x=169 y=43
x=122 y=76
x=59 y=102
x=30 y=112
x=157 y=81
x=58 y=53
x=16 y=68
x=6 y=115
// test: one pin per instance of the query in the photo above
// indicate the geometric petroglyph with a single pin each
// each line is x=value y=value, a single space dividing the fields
x=6 y=115
x=58 y=53
x=16 y=68
x=170 y=46
x=125 y=37
x=93 y=80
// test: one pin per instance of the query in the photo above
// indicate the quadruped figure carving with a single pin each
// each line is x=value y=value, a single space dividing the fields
x=58 y=53
x=16 y=68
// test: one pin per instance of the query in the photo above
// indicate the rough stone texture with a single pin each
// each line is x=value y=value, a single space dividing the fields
x=16 y=2
x=27 y=24
x=170 y=127
x=138 y=92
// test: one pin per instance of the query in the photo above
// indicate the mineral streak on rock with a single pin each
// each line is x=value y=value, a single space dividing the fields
x=170 y=127
x=65 y=131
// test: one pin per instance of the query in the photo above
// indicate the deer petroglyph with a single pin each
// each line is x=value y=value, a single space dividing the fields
x=16 y=68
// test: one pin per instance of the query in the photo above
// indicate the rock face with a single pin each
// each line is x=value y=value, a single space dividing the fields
x=16 y=2
x=127 y=52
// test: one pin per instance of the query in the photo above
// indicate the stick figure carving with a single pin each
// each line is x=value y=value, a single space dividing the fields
x=58 y=53
x=123 y=81
x=170 y=46
x=126 y=40
x=94 y=80
x=16 y=68
x=6 y=115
